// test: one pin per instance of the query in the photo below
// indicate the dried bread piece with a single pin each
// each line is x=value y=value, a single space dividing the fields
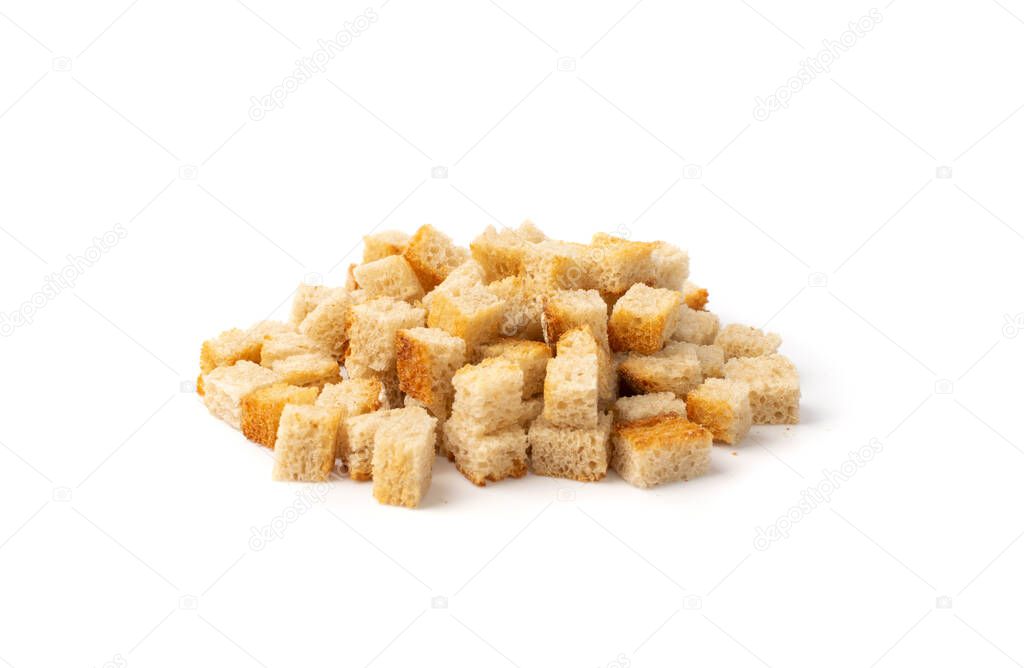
x=351 y=397
x=371 y=329
x=532 y=409
x=743 y=341
x=277 y=347
x=327 y=323
x=307 y=369
x=617 y=264
x=774 y=387
x=488 y=395
x=390 y=276
x=224 y=387
x=486 y=457
x=658 y=450
x=473 y=315
x=467 y=275
x=700 y=327
x=671 y=266
x=523 y=308
x=403 y=456
x=579 y=341
x=571 y=391
x=641 y=406
x=357 y=449
x=307 y=298
x=426 y=360
x=644 y=319
x=532 y=357
x=384 y=244
x=556 y=265
x=305 y=443
x=566 y=309
x=695 y=296
x=433 y=256
x=567 y=452
x=227 y=348
x=502 y=254
x=674 y=369
x=712 y=358
x=722 y=407
x=262 y=408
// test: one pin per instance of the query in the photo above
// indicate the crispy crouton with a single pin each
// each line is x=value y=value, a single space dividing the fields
x=372 y=329
x=675 y=369
x=384 y=244
x=774 y=387
x=661 y=449
x=532 y=357
x=567 y=452
x=700 y=327
x=642 y=406
x=566 y=309
x=403 y=456
x=644 y=319
x=305 y=443
x=722 y=407
x=474 y=315
x=224 y=387
x=744 y=341
x=426 y=361
x=390 y=276
x=262 y=408
x=433 y=256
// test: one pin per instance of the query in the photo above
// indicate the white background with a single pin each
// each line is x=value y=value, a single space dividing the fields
x=126 y=511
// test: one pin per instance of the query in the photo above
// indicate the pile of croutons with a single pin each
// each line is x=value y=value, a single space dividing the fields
x=519 y=353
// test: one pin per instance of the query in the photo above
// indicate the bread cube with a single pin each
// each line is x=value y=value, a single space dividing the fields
x=556 y=265
x=488 y=395
x=567 y=452
x=307 y=298
x=278 y=347
x=532 y=409
x=227 y=348
x=390 y=276
x=644 y=319
x=384 y=244
x=305 y=443
x=675 y=369
x=744 y=341
x=351 y=397
x=224 y=387
x=307 y=369
x=642 y=406
x=357 y=449
x=523 y=308
x=327 y=323
x=700 y=327
x=659 y=450
x=695 y=296
x=570 y=391
x=426 y=361
x=566 y=309
x=531 y=356
x=712 y=358
x=433 y=256
x=467 y=275
x=580 y=342
x=774 y=387
x=618 y=264
x=722 y=407
x=262 y=408
x=671 y=266
x=501 y=254
x=486 y=457
x=372 y=329
x=474 y=315
x=403 y=456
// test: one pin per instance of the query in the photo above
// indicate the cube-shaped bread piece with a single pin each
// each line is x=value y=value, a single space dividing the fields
x=531 y=356
x=644 y=319
x=426 y=360
x=489 y=395
x=571 y=391
x=523 y=308
x=372 y=329
x=278 y=347
x=327 y=323
x=305 y=443
x=700 y=327
x=642 y=406
x=486 y=457
x=712 y=359
x=774 y=387
x=227 y=348
x=474 y=315
x=384 y=244
x=433 y=256
x=580 y=341
x=354 y=396
x=567 y=452
x=307 y=298
x=744 y=341
x=357 y=450
x=674 y=369
x=657 y=450
x=671 y=266
x=307 y=369
x=501 y=254
x=224 y=387
x=532 y=409
x=556 y=265
x=567 y=309
x=262 y=408
x=695 y=296
x=390 y=276
x=467 y=275
x=403 y=456
x=618 y=263
x=722 y=407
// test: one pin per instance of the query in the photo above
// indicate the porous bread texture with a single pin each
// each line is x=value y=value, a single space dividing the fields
x=433 y=256
x=502 y=254
x=308 y=297
x=555 y=265
x=532 y=409
x=722 y=407
x=532 y=357
x=700 y=327
x=617 y=264
x=711 y=357
x=523 y=309
x=744 y=341
x=658 y=450
x=371 y=330
x=671 y=266
x=695 y=296
x=264 y=328
x=641 y=406
x=571 y=390
x=567 y=452
x=580 y=341
x=426 y=360
x=327 y=323
x=228 y=347
x=390 y=276
x=383 y=244
x=486 y=457
x=644 y=319
x=224 y=387
x=674 y=369
x=403 y=456
x=566 y=309
x=357 y=449
x=774 y=387
x=262 y=408
x=307 y=369
x=473 y=315
x=277 y=347
x=488 y=395
x=304 y=450
x=350 y=397
x=467 y=275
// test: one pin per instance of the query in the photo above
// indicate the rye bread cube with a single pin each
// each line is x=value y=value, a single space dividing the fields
x=304 y=451
x=659 y=450
x=568 y=452
x=722 y=407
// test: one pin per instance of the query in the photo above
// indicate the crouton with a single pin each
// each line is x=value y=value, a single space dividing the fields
x=384 y=244
x=712 y=359
x=700 y=327
x=426 y=360
x=566 y=309
x=467 y=275
x=644 y=319
x=671 y=266
x=744 y=341
x=661 y=449
x=675 y=369
x=532 y=409
x=305 y=443
x=580 y=341
x=474 y=315
x=351 y=397
x=357 y=448
x=433 y=256
x=403 y=456
x=307 y=298
x=556 y=265
x=486 y=457
x=523 y=308
x=502 y=254
x=642 y=406
x=532 y=357
x=722 y=407
x=390 y=276
x=224 y=387
x=227 y=348
x=567 y=452
x=617 y=264
x=488 y=395
x=695 y=296
x=571 y=391
x=262 y=408
x=327 y=323
x=277 y=347
x=307 y=369
x=371 y=329
x=774 y=387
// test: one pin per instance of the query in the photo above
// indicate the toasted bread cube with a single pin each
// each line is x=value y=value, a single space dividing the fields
x=618 y=264
x=642 y=406
x=523 y=308
x=403 y=456
x=567 y=309
x=390 y=276
x=262 y=408
x=307 y=369
x=227 y=348
x=571 y=391
x=354 y=396
x=532 y=409
x=695 y=296
x=224 y=387
x=712 y=358
x=433 y=256
x=372 y=329
x=486 y=457
x=384 y=244
x=327 y=323
x=307 y=298
x=671 y=266
x=532 y=357
x=426 y=361
x=722 y=407
x=277 y=347
x=474 y=315
x=305 y=443
x=744 y=341
x=567 y=452
x=357 y=450
x=503 y=254
x=556 y=265
x=489 y=395
x=644 y=319
x=675 y=369
x=661 y=449
x=700 y=327
x=774 y=387
x=579 y=341
x=467 y=275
